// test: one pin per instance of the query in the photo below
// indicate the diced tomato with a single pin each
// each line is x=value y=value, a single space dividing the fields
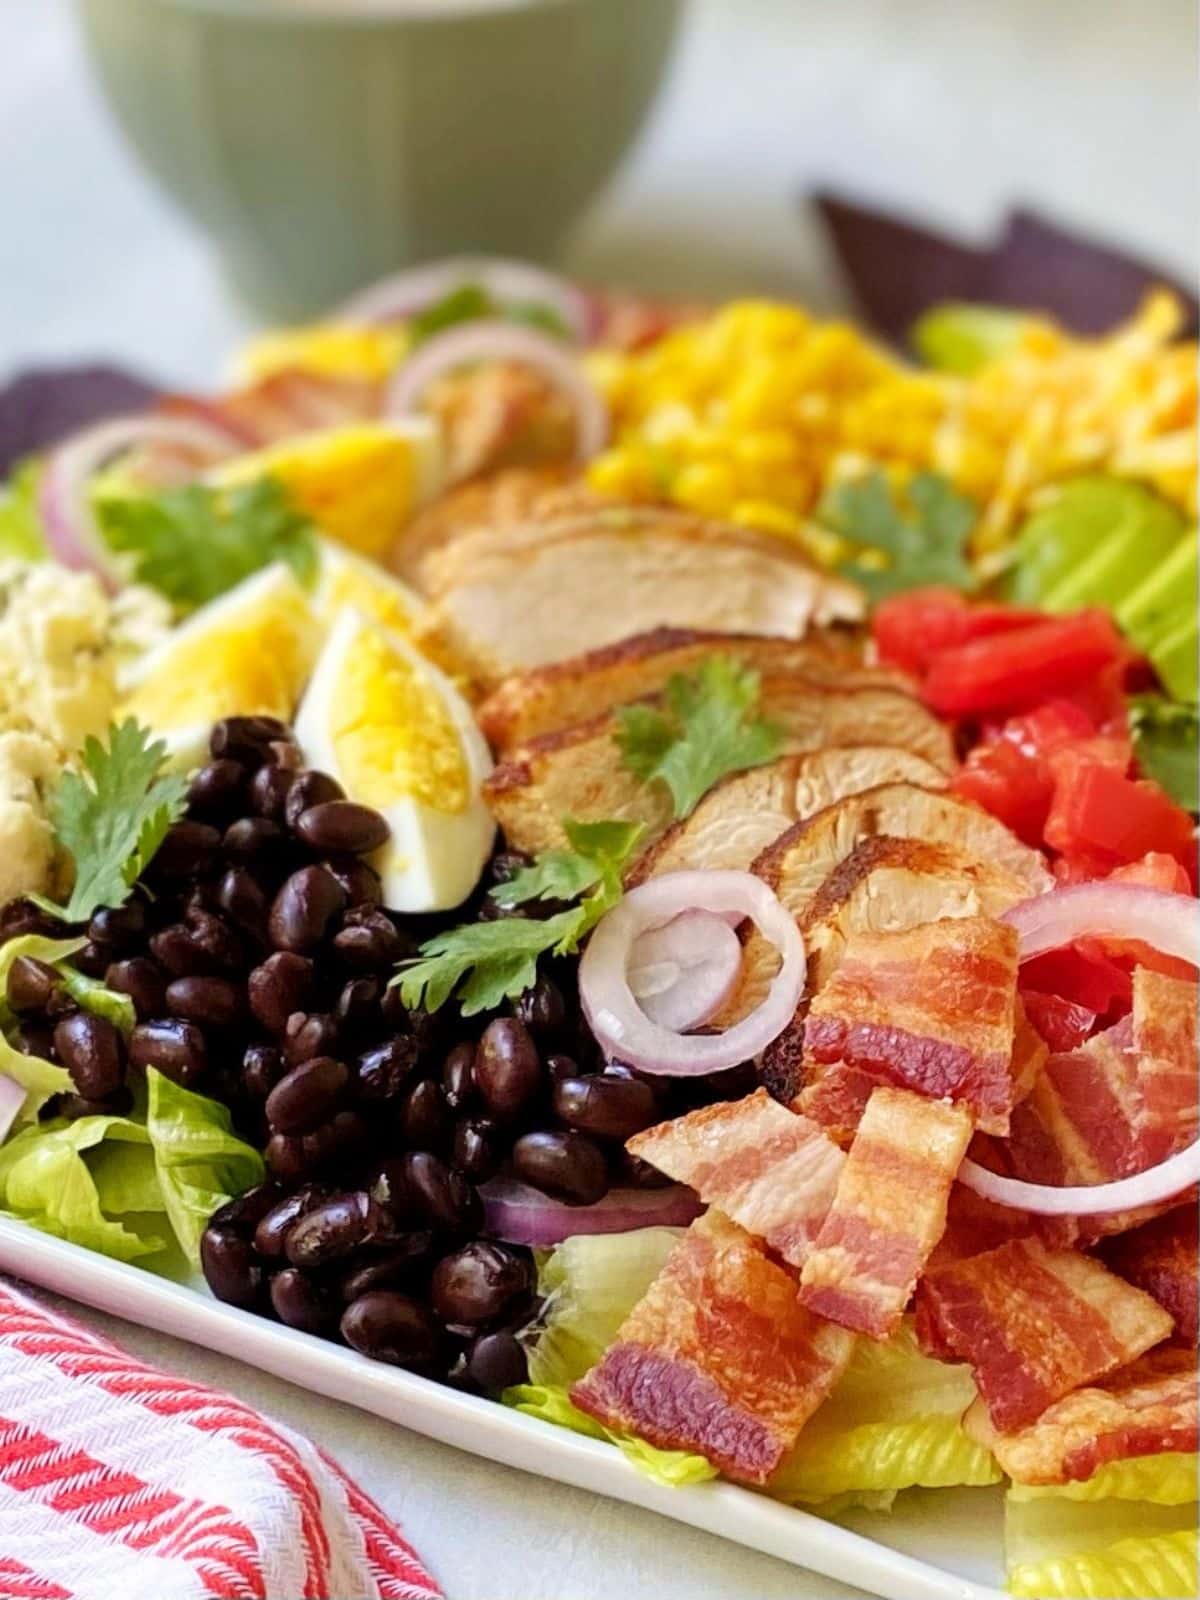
x=1017 y=669
x=1063 y=1024
x=1096 y=809
x=911 y=629
x=1082 y=866
x=1048 y=727
x=1103 y=699
x=1015 y=787
x=1083 y=974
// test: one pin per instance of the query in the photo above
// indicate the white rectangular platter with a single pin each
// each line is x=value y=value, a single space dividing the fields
x=951 y=1518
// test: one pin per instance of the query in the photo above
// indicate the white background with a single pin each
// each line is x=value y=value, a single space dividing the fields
x=954 y=107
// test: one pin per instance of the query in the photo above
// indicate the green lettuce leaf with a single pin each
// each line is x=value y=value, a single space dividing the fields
x=21 y=535
x=39 y=1079
x=960 y=337
x=1109 y=1549
x=1166 y=739
x=90 y=993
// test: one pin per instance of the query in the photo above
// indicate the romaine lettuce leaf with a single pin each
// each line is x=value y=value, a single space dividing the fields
x=1166 y=1479
x=1107 y=1549
x=39 y=1079
x=89 y=993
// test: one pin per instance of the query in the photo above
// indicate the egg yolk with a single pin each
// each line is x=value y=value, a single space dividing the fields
x=254 y=666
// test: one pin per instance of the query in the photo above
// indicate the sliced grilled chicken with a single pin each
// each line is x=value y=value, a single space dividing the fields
x=578 y=773
x=736 y=821
x=567 y=692
x=514 y=598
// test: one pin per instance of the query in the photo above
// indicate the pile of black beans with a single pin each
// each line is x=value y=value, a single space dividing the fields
x=258 y=958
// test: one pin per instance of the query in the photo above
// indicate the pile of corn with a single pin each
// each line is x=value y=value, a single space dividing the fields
x=752 y=413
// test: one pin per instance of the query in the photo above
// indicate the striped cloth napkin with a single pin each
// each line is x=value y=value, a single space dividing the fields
x=118 y=1482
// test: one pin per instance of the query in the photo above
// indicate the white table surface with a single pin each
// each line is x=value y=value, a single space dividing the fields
x=1083 y=107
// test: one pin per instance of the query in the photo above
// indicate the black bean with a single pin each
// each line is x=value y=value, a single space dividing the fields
x=307 y=1096
x=388 y=1187
x=142 y=981
x=302 y=1302
x=567 y=1166
x=74 y=1106
x=343 y=826
x=357 y=1008
x=245 y=1211
x=215 y=1002
x=119 y=927
x=262 y=1068
x=32 y=985
x=33 y=1039
x=310 y=788
x=368 y=940
x=282 y=985
x=92 y=960
x=426 y=1121
x=497 y=1361
x=609 y=1107
x=255 y=842
x=731 y=1083
x=21 y=916
x=634 y=1173
x=398 y=1265
x=176 y=1049
x=478 y=1149
x=240 y=896
x=93 y=1052
x=286 y=1158
x=478 y=1283
x=360 y=882
x=562 y=1067
x=336 y=1144
x=508 y=1072
x=303 y=909
x=542 y=1009
x=333 y=1229
x=458 y=1076
x=269 y=791
x=246 y=739
x=230 y=1269
x=307 y=1034
x=217 y=791
x=382 y=1071
x=175 y=949
x=271 y=1230
x=441 y=1197
x=285 y=753
x=188 y=849
x=389 y=1326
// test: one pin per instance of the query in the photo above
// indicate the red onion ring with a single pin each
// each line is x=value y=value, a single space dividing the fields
x=507 y=282
x=1168 y=922
x=1161 y=1182
x=518 y=1214
x=12 y=1098
x=504 y=341
x=623 y=1029
x=682 y=973
x=72 y=531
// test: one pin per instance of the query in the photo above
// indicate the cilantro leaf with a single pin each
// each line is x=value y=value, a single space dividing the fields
x=1166 y=740
x=705 y=729
x=195 y=542
x=112 y=816
x=923 y=542
x=21 y=533
x=485 y=963
x=469 y=302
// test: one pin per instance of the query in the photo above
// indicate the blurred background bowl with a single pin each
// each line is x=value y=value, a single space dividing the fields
x=324 y=143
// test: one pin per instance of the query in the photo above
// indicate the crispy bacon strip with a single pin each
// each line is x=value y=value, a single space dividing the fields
x=888 y=1213
x=974 y=1225
x=1163 y=1257
x=931 y=1008
x=1034 y=1324
x=719 y=1356
x=1164 y=1037
x=770 y=1170
x=1144 y=1409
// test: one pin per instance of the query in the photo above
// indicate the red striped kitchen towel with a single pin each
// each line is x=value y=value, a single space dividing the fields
x=118 y=1482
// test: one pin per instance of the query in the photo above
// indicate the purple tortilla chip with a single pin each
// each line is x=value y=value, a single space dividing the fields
x=39 y=408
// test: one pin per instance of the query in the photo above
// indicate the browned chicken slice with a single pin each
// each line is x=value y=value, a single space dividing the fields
x=564 y=693
x=578 y=773
x=509 y=599
x=803 y=859
x=736 y=821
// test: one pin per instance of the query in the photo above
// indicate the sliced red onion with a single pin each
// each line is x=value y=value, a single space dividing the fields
x=1162 y=1182
x=508 y=283
x=489 y=340
x=72 y=531
x=1169 y=923
x=12 y=1098
x=517 y=1214
x=682 y=973
x=622 y=1027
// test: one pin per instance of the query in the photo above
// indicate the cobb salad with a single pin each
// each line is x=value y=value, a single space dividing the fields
x=640 y=860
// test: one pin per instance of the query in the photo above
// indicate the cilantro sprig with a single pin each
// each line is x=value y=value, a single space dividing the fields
x=195 y=542
x=485 y=963
x=923 y=540
x=705 y=728
x=111 y=817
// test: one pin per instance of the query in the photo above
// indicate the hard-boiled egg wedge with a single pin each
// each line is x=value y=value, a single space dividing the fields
x=250 y=651
x=360 y=482
x=346 y=579
x=397 y=735
x=330 y=349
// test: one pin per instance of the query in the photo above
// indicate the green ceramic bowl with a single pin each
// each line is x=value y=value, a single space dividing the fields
x=324 y=143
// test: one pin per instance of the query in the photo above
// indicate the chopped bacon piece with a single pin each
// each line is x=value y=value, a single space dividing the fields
x=888 y=1213
x=718 y=1356
x=1034 y=1324
x=930 y=1008
x=974 y=1225
x=1029 y=1054
x=1061 y=1023
x=772 y=1171
x=1163 y=1258
x=836 y=1096
x=1144 y=1409
x=1164 y=1036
